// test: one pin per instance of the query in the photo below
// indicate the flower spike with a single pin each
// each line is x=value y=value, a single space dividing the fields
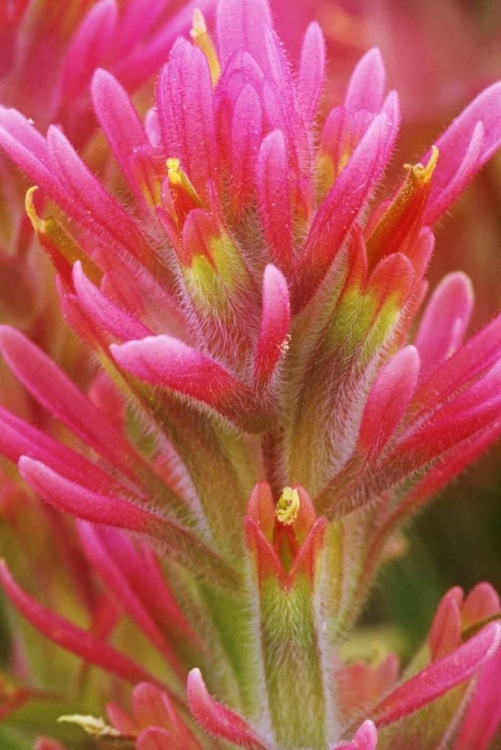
x=344 y=202
x=255 y=396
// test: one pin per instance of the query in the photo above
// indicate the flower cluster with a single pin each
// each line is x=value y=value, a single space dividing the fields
x=271 y=401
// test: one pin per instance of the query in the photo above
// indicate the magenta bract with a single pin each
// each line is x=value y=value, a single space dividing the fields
x=274 y=396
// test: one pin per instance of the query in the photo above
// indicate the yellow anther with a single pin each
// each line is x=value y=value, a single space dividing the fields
x=173 y=171
x=199 y=26
x=29 y=206
x=58 y=243
x=184 y=197
x=432 y=161
x=179 y=179
x=423 y=173
x=405 y=212
x=203 y=41
x=288 y=506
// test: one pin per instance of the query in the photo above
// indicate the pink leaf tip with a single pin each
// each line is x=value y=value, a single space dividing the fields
x=364 y=739
x=216 y=718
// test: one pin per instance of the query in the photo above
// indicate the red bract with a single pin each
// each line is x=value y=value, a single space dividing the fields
x=155 y=722
x=47 y=58
x=252 y=299
x=52 y=52
x=232 y=319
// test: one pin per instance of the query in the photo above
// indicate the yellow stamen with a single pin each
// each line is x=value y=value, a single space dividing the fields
x=203 y=41
x=180 y=181
x=184 y=197
x=405 y=211
x=423 y=174
x=55 y=239
x=288 y=506
x=199 y=26
x=173 y=171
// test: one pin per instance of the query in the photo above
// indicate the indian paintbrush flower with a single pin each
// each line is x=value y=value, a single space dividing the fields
x=252 y=306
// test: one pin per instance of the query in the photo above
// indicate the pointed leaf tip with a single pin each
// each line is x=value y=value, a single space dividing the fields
x=440 y=676
x=367 y=83
x=465 y=146
x=364 y=739
x=216 y=718
x=73 y=498
x=311 y=70
x=275 y=324
x=273 y=192
x=166 y=361
x=444 y=321
x=112 y=510
x=240 y=27
x=388 y=399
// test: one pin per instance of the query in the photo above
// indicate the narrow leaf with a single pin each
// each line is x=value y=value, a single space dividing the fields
x=168 y=362
x=100 y=556
x=72 y=638
x=444 y=322
x=216 y=718
x=275 y=325
x=55 y=391
x=311 y=71
x=454 y=144
x=439 y=677
x=344 y=202
x=114 y=511
x=388 y=400
x=272 y=182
